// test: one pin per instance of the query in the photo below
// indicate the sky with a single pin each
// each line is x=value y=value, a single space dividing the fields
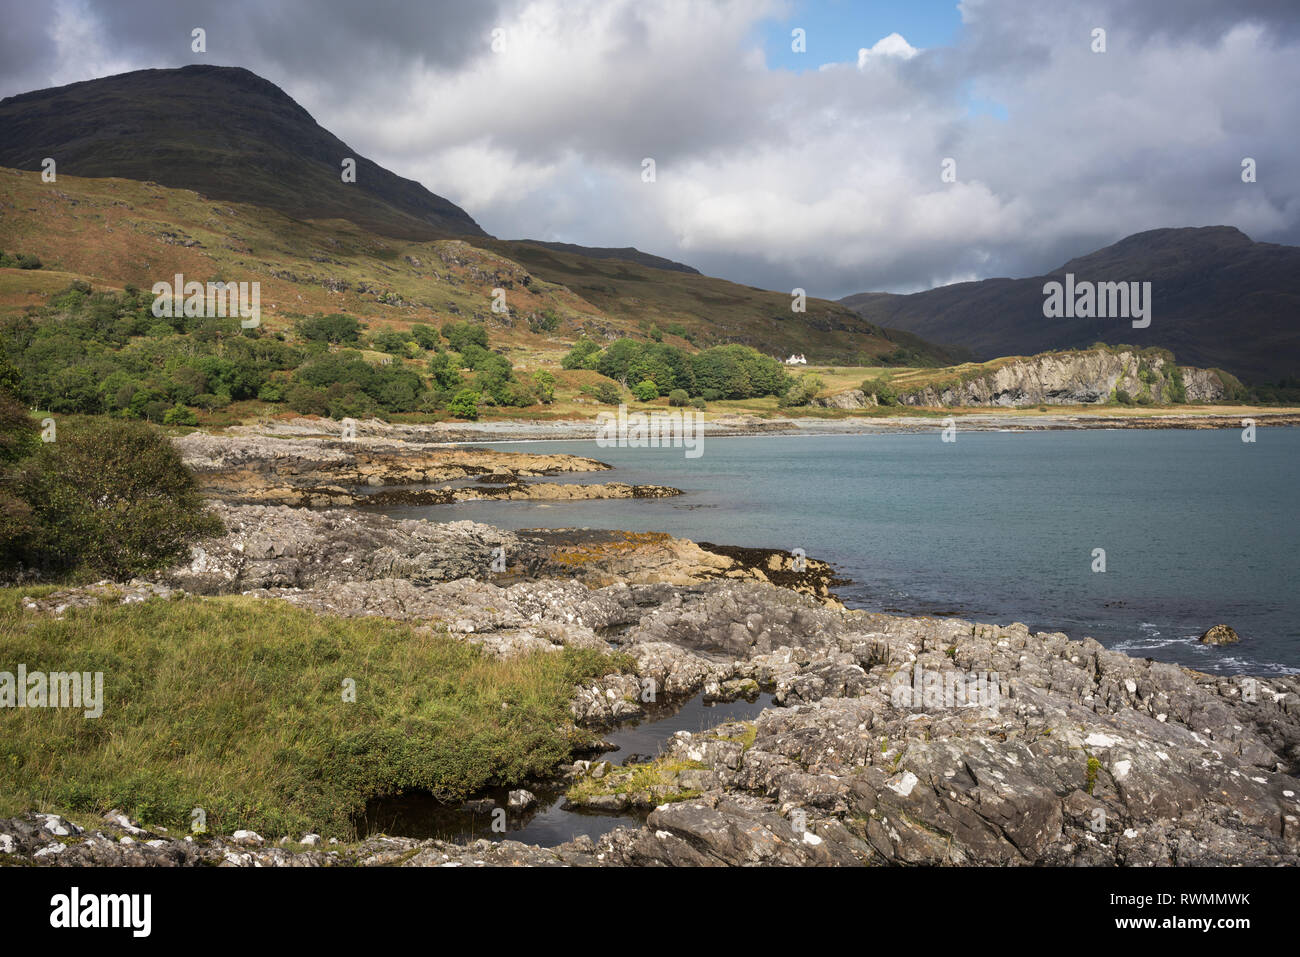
x=813 y=160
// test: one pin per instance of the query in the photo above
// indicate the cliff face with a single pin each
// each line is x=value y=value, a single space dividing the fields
x=1075 y=378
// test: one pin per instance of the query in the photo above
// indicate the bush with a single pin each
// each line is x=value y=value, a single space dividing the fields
x=1122 y=397
x=335 y=328
x=548 y=321
x=544 y=386
x=462 y=334
x=180 y=415
x=584 y=355
x=110 y=500
x=608 y=393
x=881 y=389
x=425 y=336
x=646 y=391
x=699 y=404
x=465 y=404
x=19 y=261
x=271 y=392
x=19 y=436
x=802 y=392
x=678 y=397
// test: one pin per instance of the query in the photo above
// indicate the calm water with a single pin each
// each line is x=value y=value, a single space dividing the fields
x=551 y=821
x=1198 y=527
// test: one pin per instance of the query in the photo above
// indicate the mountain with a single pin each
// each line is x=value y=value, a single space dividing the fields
x=223 y=132
x=215 y=171
x=626 y=253
x=1218 y=299
x=115 y=232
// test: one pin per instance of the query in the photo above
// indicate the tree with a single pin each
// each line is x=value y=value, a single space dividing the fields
x=881 y=389
x=646 y=391
x=180 y=415
x=465 y=404
x=544 y=385
x=461 y=334
x=803 y=390
x=334 y=328
x=111 y=499
x=678 y=397
x=583 y=355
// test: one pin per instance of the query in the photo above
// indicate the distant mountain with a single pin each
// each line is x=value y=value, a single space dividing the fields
x=224 y=132
x=1219 y=300
x=627 y=254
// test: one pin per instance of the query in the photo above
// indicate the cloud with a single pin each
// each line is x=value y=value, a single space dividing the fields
x=891 y=46
x=827 y=179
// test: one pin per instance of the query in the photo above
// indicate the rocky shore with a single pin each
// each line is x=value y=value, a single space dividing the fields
x=876 y=749
x=294 y=467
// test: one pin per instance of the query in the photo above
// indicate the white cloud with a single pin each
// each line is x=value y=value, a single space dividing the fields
x=893 y=46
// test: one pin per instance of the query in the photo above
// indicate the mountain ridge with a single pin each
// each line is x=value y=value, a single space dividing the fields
x=1220 y=299
x=176 y=127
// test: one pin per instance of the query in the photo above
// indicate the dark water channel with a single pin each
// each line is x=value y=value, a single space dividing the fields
x=551 y=821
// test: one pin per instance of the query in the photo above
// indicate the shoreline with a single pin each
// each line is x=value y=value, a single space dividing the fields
x=743 y=426
x=852 y=764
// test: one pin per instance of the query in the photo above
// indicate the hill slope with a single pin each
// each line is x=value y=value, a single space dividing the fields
x=717 y=311
x=1219 y=299
x=115 y=232
x=223 y=132
x=235 y=138
x=626 y=253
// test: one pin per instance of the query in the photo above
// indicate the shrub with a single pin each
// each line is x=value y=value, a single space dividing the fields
x=465 y=404
x=646 y=391
x=699 y=404
x=462 y=334
x=19 y=436
x=548 y=321
x=608 y=393
x=1122 y=397
x=881 y=389
x=584 y=355
x=425 y=336
x=111 y=499
x=271 y=392
x=803 y=390
x=544 y=386
x=335 y=328
x=180 y=415
x=678 y=397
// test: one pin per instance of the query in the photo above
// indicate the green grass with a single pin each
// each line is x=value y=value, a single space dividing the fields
x=637 y=779
x=235 y=705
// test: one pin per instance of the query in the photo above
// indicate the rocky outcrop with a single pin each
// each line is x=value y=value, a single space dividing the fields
x=291 y=467
x=1074 y=378
x=300 y=551
x=1073 y=755
x=891 y=740
x=849 y=399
